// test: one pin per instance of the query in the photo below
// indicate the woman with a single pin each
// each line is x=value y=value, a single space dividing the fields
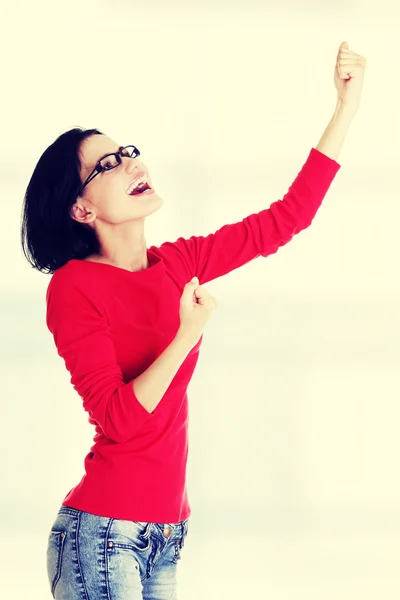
x=128 y=321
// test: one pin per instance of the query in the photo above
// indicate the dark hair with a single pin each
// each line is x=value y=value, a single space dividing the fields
x=50 y=237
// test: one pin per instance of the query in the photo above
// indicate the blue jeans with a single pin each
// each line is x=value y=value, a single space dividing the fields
x=99 y=558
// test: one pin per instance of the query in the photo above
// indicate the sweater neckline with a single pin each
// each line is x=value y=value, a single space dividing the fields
x=155 y=264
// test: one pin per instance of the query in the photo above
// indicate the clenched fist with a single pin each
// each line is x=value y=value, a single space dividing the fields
x=196 y=307
x=349 y=76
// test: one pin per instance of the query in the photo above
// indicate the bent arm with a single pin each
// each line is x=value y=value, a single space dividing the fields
x=150 y=386
x=82 y=337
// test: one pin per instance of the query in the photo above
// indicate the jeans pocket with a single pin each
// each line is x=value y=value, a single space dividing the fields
x=55 y=548
x=180 y=542
x=135 y=537
x=184 y=534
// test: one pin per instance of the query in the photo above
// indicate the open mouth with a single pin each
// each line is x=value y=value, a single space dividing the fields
x=139 y=189
x=141 y=186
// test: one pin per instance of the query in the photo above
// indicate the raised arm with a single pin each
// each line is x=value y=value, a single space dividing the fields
x=259 y=234
x=263 y=233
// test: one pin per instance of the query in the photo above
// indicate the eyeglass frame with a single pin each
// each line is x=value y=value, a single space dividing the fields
x=99 y=169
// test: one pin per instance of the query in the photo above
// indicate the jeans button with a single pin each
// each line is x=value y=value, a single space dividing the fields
x=168 y=530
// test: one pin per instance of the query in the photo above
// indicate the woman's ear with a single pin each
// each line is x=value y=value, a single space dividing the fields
x=80 y=214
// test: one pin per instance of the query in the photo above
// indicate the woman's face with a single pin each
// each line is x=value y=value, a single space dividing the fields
x=105 y=198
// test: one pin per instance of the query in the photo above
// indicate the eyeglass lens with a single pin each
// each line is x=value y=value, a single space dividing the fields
x=111 y=161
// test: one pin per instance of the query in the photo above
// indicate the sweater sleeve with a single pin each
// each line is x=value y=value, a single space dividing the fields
x=259 y=234
x=83 y=340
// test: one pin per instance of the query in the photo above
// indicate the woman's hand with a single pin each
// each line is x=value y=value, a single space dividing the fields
x=196 y=307
x=349 y=76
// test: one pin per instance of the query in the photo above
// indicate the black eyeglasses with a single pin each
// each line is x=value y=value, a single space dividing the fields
x=110 y=161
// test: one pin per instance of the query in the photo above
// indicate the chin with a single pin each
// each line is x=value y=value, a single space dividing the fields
x=155 y=202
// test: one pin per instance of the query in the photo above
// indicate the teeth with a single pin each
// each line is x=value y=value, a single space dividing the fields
x=135 y=183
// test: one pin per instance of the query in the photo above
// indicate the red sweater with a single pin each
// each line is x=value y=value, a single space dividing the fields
x=110 y=324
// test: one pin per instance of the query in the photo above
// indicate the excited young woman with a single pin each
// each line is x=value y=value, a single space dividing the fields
x=128 y=321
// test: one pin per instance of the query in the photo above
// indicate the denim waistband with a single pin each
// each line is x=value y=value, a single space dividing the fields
x=74 y=511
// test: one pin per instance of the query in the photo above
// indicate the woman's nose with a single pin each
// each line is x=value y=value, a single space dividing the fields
x=132 y=164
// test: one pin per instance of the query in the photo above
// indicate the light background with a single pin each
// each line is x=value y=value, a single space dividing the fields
x=293 y=469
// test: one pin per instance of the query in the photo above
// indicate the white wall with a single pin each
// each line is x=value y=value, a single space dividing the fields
x=293 y=470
